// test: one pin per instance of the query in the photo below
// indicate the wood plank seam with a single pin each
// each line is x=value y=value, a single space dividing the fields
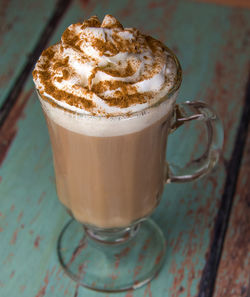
x=207 y=283
x=59 y=10
x=76 y=290
x=234 y=269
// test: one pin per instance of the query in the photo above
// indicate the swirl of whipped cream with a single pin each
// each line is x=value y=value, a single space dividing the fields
x=104 y=69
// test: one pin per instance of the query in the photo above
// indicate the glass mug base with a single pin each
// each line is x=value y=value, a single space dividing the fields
x=112 y=266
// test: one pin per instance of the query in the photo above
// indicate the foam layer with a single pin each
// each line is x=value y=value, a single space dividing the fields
x=105 y=70
x=104 y=126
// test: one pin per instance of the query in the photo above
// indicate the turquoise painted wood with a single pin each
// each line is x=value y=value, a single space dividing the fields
x=21 y=23
x=233 y=274
x=210 y=42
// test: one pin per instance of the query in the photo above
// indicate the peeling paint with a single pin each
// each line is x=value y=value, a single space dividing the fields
x=119 y=256
x=43 y=289
x=41 y=197
x=148 y=292
x=37 y=241
x=9 y=129
x=14 y=237
x=20 y=216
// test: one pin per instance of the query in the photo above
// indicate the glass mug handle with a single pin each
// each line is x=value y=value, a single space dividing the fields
x=198 y=111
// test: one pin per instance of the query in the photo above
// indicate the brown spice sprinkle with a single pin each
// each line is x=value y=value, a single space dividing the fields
x=103 y=86
x=49 y=88
x=123 y=100
x=91 y=22
x=53 y=67
x=119 y=45
x=128 y=71
x=61 y=63
x=70 y=40
x=110 y=22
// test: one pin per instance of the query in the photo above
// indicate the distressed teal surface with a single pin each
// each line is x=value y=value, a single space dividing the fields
x=233 y=273
x=21 y=24
x=210 y=42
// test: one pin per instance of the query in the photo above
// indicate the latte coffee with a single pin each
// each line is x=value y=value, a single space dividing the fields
x=104 y=91
x=109 y=181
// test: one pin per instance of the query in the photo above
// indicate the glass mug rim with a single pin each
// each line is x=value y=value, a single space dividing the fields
x=169 y=94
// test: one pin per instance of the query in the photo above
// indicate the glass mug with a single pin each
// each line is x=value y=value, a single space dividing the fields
x=110 y=182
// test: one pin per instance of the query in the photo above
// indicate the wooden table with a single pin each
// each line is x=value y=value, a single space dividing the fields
x=206 y=223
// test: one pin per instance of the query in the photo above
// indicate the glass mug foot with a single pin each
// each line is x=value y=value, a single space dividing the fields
x=111 y=265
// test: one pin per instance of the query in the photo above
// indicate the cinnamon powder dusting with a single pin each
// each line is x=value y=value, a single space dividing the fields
x=49 y=88
x=94 y=69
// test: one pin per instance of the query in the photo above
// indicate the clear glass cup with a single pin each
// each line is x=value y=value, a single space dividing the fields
x=110 y=183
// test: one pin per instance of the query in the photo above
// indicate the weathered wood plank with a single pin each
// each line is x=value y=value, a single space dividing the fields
x=20 y=77
x=210 y=42
x=236 y=3
x=9 y=108
x=234 y=269
x=221 y=223
x=21 y=24
x=24 y=205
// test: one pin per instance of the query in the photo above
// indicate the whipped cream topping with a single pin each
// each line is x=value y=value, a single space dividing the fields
x=104 y=69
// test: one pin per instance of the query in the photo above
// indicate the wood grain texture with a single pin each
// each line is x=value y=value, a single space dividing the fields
x=8 y=129
x=234 y=270
x=21 y=24
x=221 y=223
x=19 y=80
x=211 y=43
x=236 y=3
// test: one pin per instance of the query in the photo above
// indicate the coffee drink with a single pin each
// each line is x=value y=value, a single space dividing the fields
x=109 y=181
x=105 y=94
x=109 y=98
